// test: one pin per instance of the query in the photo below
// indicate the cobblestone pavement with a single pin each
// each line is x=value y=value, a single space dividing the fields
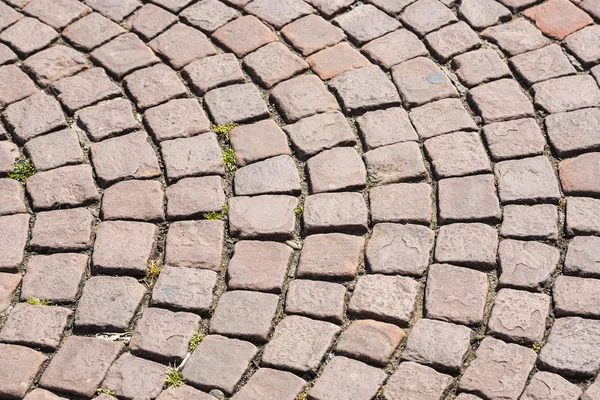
x=290 y=200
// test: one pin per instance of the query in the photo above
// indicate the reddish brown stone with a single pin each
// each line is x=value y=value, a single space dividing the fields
x=12 y=197
x=312 y=33
x=333 y=61
x=19 y=37
x=55 y=150
x=212 y=72
x=558 y=18
x=62 y=230
x=193 y=197
x=248 y=142
x=181 y=45
x=335 y=212
x=315 y=299
x=270 y=383
x=150 y=20
x=8 y=285
x=370 y=341
x=365 y=23
x=208 y=15
x=155 y=85
x=57 y=13
x=134 y=199
x=91 y=31
x=262 y=217
x=54 y=277
x=330 y=256
x=274 y=63
x=186 y=289
x=55 y=63
x=135 y=378
x=36 y=115
x=18 y=366
x=85 y=89
x=195 y=244
x=109 y=119
x=13 y=239
x=516 y=37
x=254 y=32
x=278 y=12
x=177 y=118
x=123 y=55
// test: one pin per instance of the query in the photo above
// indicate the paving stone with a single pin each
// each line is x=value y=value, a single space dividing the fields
x=54 y=277
x=328 y=7
x=527 y=180
x=299 y=344
x=36 y=115
x=123 y=55
x=558 y=18
x=572 y=132
x=421 y=81
x=135 y=200
x=218 y=362
x=572 y=348
x=15 y=85
x=108 y=303
x=399 y=249
x=438 y=344
x=37 y=326
x=181 y=45
x=470 y=198
x=41 y=394
x=92 y=31
x=187 y=289
x=55 y=150
x=13 y=239
x=182 y=393
x=9 y=16
x=425 y=16
x=267 y=383
x=584 y=44
x=516 y=5
x=567 y=93
x=526 y=265
x=576 y=297
x=9 y=154
x=195 y=156
x=149 y=21
x=330 y=212
x=62 y=230
x=370 y=341
x=391 y=6
x=58 y=14
x=163 y=335
x=28 y=35
x=336 y=60
x=394 y=48
x=236 y=103
x=278 y=12
x=337 y=169
x=365 y=89
x=302 y=97
x=365 y=23
x=126 y=157
x=245 y=315
x=262 y=217
x=81 y=363
x=12 y=197
x=208 y=15
x=514 y=139
x=384 y=127
x=319 y=300
x=452 y=40
x=212 y=72
x=516 y=37
x=312 y=135
x=64 y=186
x=401 y=202
x=312 y=33
x=479 y=66
x=8 y=285
x=439 y=117
x=116 y=10
x=519 y=316
x=544 y=385
x=442 y=298
x=489 y=375
x=195 y=244
x=108 y=119
x=247 y=142
x=274 y=63
x=135 y=378
x=386 y=298
x=583 y=257
x=457 y=154
x=483 y=13
x=345 y=378
x=254 y=32
x=413 y=381
x=193 y=197
x=535 y=222
x=85 y=89
x=395 y=163
x=19 y=366
x=176 y=119
x=155 y=85
x=472 y=244
x=330 y=256
x=542 y=64
x=259 y=265
x=277 y=175
x=577 y=175
x=500 y=101
x=592 y=392
x=6 y=55
x=55 y=63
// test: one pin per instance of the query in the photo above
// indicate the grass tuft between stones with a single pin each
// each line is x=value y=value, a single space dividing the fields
x=107 y=392
x=38 y=302
x=174 y=378
x=196 y=340
x=224 y=129
x=153 y=271
x=213 y=215
x=299 y=210
x=229 y=159
x=23 y=169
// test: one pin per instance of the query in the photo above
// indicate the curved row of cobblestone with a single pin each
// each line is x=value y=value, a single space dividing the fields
x=289 y=200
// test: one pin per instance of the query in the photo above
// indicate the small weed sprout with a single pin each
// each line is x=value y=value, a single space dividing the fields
x=38 y=302
x=229 y=159
x=196 y=340
x=213 y=215
x=174 y=377
x=224 y=129
x=107 y=392
x=302 y=395
x=154 y=268
x=299 y=210
x=23 y=169
x=537 y=346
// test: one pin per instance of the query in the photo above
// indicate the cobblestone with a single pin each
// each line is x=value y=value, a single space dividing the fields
x=416 y=381
x=54 y=277
x=19 y=366
x=62 y=230
x=55 y=150
x=526 y=265
x=330 y=256
x=186 y=289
